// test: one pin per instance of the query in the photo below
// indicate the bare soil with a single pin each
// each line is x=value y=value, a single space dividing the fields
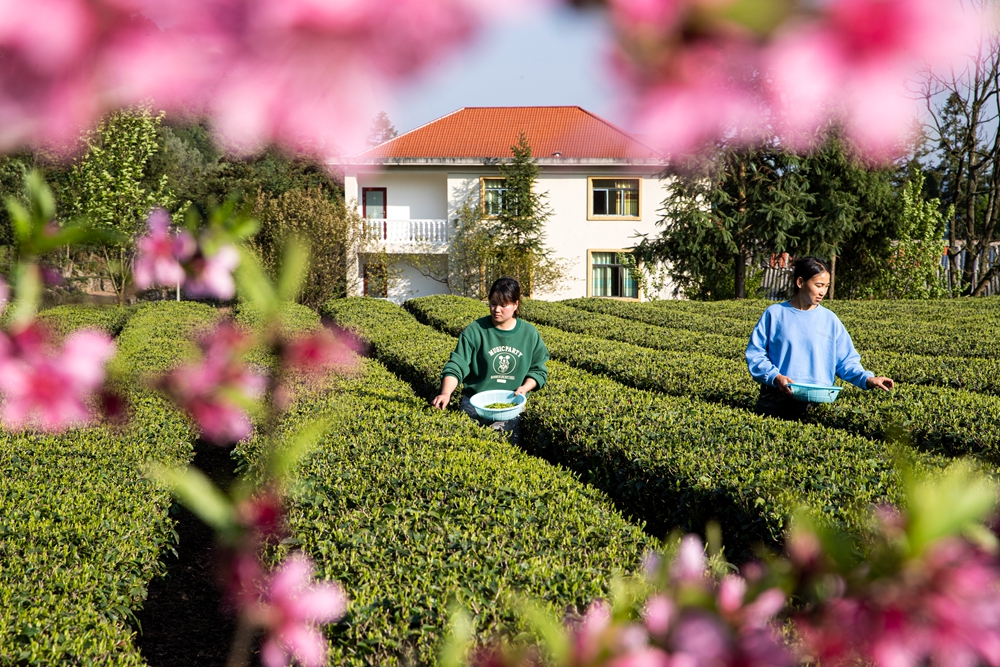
x=183 y=622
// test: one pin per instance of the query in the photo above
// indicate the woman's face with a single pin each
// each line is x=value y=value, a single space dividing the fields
x=812 y=291
x=502 y=313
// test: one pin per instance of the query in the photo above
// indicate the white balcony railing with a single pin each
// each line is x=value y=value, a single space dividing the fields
x=433 y=232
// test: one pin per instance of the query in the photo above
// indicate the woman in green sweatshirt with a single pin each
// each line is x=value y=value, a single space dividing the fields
x=499 y=351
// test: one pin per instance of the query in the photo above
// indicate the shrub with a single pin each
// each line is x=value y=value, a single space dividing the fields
x=410 y=508
x=64 y=319
x=83 y=530
x=669 y=461
x=950 y=422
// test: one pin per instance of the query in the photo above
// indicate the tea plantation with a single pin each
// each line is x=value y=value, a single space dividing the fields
x=645 y=426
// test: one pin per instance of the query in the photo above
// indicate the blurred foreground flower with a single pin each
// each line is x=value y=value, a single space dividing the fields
x=217 y=390
x=48 y=387
x=288 y=608
x=161 y=255
x=260 y=68
x=703 y=70
x=166 y=260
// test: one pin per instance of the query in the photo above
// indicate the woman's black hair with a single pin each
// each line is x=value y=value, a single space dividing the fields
x=806 y=268
x=506 y=290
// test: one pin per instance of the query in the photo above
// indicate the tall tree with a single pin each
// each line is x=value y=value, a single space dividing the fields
x=722 y=212
x=519 y=230
x=112 y=187
x=963 y=105
x=852 y=209
x=381 y=130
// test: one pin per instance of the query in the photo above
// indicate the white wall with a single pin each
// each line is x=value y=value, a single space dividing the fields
x=409 y=283
x=425 y=193
x=568 y=232
x=413 y=195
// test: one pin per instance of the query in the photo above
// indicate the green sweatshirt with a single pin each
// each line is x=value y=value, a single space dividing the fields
x=490 y=358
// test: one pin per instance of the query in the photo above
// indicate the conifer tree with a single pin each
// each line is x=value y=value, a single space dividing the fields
x=520 y=223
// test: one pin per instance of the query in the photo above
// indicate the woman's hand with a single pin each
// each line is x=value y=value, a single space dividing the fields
x=529 y=384
x=448 y=386
x=781 y=384
x=883 y=383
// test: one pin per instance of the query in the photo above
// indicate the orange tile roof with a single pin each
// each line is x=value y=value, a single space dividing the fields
x=489 y=132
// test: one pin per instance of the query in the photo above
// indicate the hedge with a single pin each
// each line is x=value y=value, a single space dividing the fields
x=81 y=530
x=949 y=422
x=670 y=461
x=972 y=336
x=409 y=508
x=649 y=326
x=64 y=319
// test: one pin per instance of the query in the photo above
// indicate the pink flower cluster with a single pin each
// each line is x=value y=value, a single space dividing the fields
x=692 y=621
x=48 y=387
x=941 y=609
x=165 y=259
x=217 y=390
x=299 y=72
x=288 y=606
x=698 y=74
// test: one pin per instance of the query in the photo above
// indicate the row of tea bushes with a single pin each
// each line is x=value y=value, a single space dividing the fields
x=64 y=319
x=81 y=530
x=670 y=461
x=970 y=373
x=950 y=422
x=903 y=333
x=411 y=508
x=638 y=323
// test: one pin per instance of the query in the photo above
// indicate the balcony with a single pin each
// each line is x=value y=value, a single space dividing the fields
x=408 y=235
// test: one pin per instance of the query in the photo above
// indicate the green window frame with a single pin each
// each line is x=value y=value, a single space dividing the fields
x=610 y=278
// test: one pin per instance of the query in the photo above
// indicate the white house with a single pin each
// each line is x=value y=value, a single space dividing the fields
x=601 y=182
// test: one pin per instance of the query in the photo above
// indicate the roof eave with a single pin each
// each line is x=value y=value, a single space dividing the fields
x=492 y=161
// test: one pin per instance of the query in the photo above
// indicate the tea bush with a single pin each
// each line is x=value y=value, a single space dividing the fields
x=949 y=422
x=82 y=530
x=410 y=508
x=941 y=333
x=670 y=461
x=64 y=319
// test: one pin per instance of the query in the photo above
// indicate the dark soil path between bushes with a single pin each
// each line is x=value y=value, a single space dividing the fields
x=183 y=622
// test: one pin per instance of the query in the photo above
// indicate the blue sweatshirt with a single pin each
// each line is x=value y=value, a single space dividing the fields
x=809 y=346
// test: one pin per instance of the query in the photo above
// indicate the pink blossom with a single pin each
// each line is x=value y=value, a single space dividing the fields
x=319 y=352
x=212 y=275
x=659 y=613
x=689 y=565
x=215 y=391
x=4 y=295
x=160 y=255
x=260 y=67
x=853 y=62
x=943 y=608
x=289 y=608
x=50 y=388
x=655 y=13
x=263 y=515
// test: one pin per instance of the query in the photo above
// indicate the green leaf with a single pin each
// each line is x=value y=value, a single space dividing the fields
x=294 y=269
x=298 y=444
x=550 y=630
x=953 y=503
x=254 y=286
x=196 y=492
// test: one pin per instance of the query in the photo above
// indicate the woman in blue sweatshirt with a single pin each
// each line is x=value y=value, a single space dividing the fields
x=801 y=341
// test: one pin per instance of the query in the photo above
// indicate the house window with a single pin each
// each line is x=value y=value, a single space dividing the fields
x=373 y=203
x=493 y=191
x=614 y=197
x=609 y=277
x=376 y=280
